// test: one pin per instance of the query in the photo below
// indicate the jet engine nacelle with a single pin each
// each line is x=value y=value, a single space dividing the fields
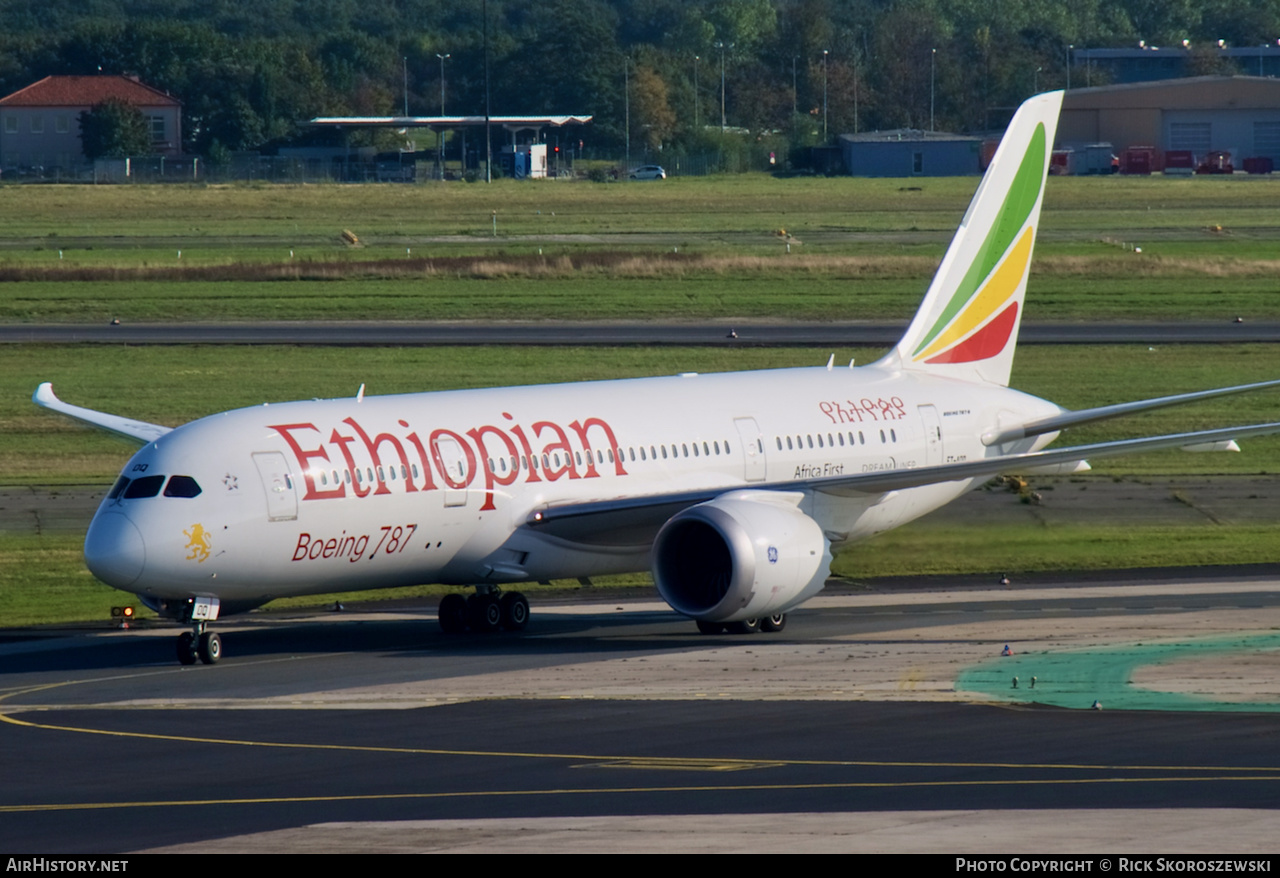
x=743 y=555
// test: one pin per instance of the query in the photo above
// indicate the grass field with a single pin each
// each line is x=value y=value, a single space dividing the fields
x=748 y=203
x=691 y=249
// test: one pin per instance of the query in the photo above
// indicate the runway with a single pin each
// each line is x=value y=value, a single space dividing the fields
x=610 y=725
x=718 y=333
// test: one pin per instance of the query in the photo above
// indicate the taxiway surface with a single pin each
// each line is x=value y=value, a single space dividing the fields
x=878 y=720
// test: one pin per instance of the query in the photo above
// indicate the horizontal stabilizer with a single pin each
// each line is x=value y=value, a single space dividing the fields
x=1057 y=469
x=1229 y=445
x=139 y=431
x=1088 y=416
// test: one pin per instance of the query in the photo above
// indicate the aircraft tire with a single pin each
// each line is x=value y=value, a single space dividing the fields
x=746 y=626
x=210 y=648
x=773 y=624
x=452 y=614
x=705 y=627
x=186 y=648
x=483 y=612
x=515 y=611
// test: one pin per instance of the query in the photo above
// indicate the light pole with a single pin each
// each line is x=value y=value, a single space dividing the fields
x=626 y=102
x=722 y=46
x=795 y=105
x=488 y=143
x=1069 y=48
x=825 y=54
x=1035 y=81
x=696 y=123
x=855 y=91
x=442 y=58
x=406 y=87
x=933 y=56
x=440 y=133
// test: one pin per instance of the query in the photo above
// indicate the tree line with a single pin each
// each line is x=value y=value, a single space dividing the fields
x=659 y=74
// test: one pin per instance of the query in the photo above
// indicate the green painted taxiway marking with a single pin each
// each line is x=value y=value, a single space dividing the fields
x=1078 y=678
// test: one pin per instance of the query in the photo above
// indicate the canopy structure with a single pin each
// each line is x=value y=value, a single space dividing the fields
x=530 y=160
x=510 y=123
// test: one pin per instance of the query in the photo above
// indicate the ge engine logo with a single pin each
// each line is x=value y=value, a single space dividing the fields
x=773 y=555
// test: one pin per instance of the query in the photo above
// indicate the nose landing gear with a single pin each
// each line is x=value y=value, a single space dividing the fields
x=199 y=643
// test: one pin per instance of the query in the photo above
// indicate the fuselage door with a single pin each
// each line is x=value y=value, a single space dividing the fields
x=277 y=483
x=753 y=449
x=932 y=435
x=454 y=463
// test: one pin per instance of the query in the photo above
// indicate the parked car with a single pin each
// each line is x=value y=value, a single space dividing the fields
x=648 y=172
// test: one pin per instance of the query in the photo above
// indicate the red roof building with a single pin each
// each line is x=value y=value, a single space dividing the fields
x=40 y=124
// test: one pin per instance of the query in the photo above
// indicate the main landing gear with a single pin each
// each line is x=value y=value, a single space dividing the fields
x=486 y=610
x=767 y=624
x=199 y=642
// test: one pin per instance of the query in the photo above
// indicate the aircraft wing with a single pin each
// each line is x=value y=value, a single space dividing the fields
x=139 y=431
x=635 y=518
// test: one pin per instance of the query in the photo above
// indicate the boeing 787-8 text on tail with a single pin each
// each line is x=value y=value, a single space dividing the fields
x=734 y=489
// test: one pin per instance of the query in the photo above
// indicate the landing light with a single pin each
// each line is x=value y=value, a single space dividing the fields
x=122 y=616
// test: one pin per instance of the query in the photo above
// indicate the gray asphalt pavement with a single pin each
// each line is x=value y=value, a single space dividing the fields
x=852 y=716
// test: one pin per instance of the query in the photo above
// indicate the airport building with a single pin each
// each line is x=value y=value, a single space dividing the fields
x=1195 y=117
x=910 y=152
x=1143 y=63
x=40 y=124
x=1237 y=114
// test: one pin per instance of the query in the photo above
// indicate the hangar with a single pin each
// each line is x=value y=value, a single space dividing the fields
x=1239 y=114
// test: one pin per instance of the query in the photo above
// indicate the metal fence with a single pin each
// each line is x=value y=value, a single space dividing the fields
x=248 y=167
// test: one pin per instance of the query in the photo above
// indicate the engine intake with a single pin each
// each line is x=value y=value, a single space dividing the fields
x=743 y=555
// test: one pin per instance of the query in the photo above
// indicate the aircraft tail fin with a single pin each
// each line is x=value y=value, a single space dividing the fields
x=967 y=326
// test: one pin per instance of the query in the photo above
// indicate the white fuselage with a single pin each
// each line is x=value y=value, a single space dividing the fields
x=343 y=494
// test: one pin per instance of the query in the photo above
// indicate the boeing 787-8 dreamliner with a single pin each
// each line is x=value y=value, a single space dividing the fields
x=733 y=489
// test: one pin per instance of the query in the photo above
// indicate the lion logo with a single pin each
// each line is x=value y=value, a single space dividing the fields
x=200 y=543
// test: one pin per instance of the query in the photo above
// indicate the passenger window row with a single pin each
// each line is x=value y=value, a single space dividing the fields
x=697 y=448
x=833 y=440
x=553 y=460
x=185 y=486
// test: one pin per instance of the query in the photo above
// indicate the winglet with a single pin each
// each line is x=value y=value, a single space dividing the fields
x=967 y=326
x=44 y=396
x=139 y=431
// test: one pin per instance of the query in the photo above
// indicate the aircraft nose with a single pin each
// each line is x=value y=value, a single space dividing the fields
x=113 y=549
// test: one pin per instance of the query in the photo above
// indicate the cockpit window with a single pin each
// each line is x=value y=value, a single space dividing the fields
x=147 y=486
x=182 y=486
x=120 y=485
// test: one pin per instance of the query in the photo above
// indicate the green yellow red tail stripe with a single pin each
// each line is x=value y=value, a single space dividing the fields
x=967 y=326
